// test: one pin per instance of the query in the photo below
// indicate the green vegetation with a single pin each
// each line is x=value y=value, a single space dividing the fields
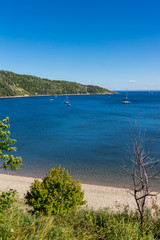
x=7 y=199
x=17 y=223
x=12 y=84
x=9 y=161
x=56 y=194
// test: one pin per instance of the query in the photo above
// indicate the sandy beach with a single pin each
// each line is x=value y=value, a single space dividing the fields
x=96 y=196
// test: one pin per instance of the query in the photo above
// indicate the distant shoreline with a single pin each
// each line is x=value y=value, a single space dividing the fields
x=83 y=94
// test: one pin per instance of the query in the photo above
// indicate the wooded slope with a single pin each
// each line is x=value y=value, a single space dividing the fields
x=12 y=84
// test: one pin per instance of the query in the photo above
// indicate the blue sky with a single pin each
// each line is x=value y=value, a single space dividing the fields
x=113 y=43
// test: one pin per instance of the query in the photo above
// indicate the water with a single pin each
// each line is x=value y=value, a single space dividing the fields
x=89 y=138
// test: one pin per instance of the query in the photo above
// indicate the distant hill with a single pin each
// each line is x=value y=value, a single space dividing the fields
x=12 y=84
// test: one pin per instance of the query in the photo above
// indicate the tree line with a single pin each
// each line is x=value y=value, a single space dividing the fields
x=12 y=84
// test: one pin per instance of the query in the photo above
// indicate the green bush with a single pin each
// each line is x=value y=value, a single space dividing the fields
x=7 y=199
x=56 y=194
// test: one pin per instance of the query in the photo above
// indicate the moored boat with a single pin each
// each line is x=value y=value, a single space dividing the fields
x=125 y=101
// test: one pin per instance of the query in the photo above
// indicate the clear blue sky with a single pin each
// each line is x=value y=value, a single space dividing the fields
x=102 y=42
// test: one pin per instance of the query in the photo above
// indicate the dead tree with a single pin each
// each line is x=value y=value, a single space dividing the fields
x=143 y=169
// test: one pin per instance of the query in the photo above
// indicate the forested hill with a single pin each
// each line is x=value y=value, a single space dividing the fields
x=12 y=84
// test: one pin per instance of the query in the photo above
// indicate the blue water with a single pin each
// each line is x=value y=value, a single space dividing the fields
x=89 y=138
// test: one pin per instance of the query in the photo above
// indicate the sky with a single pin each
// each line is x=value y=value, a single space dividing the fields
x=110 y=43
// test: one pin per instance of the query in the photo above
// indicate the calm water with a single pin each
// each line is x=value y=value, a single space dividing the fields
x=89 y=138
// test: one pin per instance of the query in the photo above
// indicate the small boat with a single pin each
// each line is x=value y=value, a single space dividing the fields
x=125 y=101
x=67 y=102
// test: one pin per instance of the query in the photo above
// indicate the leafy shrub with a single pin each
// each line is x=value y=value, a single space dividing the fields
x=7 y=199
x=56 y=194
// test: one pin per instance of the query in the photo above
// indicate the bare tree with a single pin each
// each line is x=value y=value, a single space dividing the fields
x=143 y=169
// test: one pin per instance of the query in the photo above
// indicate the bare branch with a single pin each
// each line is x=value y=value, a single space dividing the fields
x=142 y=168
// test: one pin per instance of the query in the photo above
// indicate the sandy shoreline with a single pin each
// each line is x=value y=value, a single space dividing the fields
x=96 y=196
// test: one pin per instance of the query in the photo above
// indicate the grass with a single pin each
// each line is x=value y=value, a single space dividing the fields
x=17 y=223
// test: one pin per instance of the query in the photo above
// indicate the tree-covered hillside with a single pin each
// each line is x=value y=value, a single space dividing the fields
x=12 y=84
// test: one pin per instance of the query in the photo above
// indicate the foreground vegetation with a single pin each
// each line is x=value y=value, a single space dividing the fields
x=7 y=147
x=55 y=194
x=12 y=84
x=17 y=223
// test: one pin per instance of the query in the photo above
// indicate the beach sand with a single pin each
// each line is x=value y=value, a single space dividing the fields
x=96 y=196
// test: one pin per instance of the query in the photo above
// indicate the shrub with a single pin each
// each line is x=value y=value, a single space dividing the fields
x=7 y=199
x=56 y=194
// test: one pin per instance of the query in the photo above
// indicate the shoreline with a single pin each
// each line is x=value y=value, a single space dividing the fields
x=97 y=197
x=124 y=184
x=121 y=185
x=53 y=95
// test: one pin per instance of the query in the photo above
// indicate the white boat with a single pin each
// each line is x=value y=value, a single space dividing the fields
x=67 y=102
x=125 y=101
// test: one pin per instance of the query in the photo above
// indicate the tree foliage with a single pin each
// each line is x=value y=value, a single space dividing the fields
x=56 y=194
x=12 y=84
x=9 y=161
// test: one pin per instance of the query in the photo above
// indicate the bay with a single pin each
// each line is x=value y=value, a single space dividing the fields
x=89 y=138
